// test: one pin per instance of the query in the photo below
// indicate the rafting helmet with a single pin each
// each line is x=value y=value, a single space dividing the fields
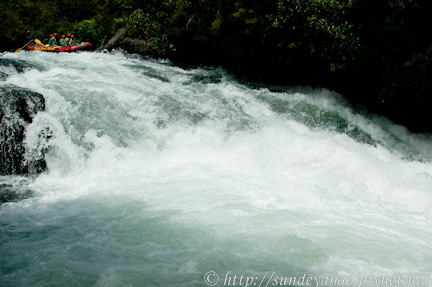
x=72 y=36
x=51 y=35
x=55 y=34
x=63 y=36
x=68 y=35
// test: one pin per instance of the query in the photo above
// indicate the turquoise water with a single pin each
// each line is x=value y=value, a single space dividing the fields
x=158 y=175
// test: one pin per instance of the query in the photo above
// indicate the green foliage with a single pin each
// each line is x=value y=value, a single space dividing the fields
x=97 y=20
x=148 y=27
x=381 y=45
x=17 y=17
x=86 y=31
x=320 y=25
x=94 y=30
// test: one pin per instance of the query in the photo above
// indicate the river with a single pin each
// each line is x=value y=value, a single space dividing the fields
x=159 y=175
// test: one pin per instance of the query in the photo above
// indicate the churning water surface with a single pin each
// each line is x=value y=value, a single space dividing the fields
x=164 y=176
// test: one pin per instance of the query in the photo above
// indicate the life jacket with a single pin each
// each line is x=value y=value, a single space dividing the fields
x=63 y=42
x=73 y=41
x=29 y=38
x=52 y=41
x=67 y=41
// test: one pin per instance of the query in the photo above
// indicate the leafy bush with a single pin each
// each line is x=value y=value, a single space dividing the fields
x=381 y=46
x=148 y=27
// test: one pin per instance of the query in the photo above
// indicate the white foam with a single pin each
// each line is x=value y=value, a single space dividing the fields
x=186 y=171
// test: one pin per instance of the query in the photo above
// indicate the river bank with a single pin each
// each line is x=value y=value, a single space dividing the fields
x=373 y=53
x=363 y=89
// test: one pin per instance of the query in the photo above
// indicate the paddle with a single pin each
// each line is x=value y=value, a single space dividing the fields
x=20 y=49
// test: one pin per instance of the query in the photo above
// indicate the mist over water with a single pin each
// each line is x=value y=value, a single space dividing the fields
x=158 y=174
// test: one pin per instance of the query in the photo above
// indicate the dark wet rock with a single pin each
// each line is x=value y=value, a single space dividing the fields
x=135 y=46
x=131 y=46
x=18 y=107
x=19 y=65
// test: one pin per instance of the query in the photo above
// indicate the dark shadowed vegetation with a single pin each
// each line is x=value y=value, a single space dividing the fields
x=376 y=53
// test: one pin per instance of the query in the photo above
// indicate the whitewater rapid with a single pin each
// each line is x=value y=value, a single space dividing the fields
x=158 y=174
